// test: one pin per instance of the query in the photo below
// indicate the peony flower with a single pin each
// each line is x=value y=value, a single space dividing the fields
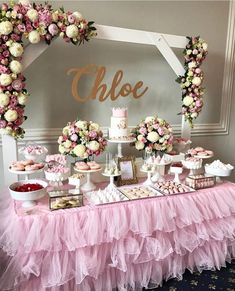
x=205 y=46
x=5 y=79
x=196 y=81
x=16 y=49
x=22 y=99
x=67 y=144
x=153 y=136
x=79 y=150
x=188 y=100
x=149 y=119
x=34 y=37
x=81 y=124
x=15 y=67
x=72 y=31
x=6 y=27
x=77 y=15
x=94 y=126
x=93 y=145
x=194 y=115
x=139 y=145
x=53 y=29
x=61 y=149
x=4 y=99
x=192 y=65
x=11 y=115
x=32 y=14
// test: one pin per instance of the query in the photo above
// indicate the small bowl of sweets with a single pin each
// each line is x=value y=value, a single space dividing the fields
x=28 y=191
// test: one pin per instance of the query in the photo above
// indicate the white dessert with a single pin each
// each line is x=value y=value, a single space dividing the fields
x=219 y=169
x=119 y=124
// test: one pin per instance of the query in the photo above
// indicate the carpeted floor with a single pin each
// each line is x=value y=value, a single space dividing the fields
x=223 y=280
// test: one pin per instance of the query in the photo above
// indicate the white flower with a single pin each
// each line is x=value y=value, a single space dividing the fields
x=16 y=49
x=5 y=79
x=205 y=46
x=93 y=145
x=140 y=137
x=22 y=99
x=187 y=84
x=190 y=73
x=153 y=136
x=32 y=14
x=72 y=31
x=81 y=124
x=11 y=115
x=161 y=140
x=6 y=27
x=62 y=149
x=15 y=67
x=55 y=16
x=196 y=81
x=79 y=150
x=4 y=99
x=188 y=100
x=189 y=52
x=194 y=114
x=139 y=145
x=149 y=119
x=192 y=65
x=24 y=2
x=7 y=130
x=34 y=37
x=67 y=144
x=94 y=126
x=65 y=130
x=77 y=15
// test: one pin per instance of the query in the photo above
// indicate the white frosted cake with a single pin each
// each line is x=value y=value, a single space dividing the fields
x=119 y=124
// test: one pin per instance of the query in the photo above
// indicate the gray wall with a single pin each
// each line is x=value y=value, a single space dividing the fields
x=52 y=105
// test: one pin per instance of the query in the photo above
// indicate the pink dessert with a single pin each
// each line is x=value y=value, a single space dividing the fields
x=119 y=112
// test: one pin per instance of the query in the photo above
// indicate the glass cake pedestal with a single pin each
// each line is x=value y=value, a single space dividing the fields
x=120 y=143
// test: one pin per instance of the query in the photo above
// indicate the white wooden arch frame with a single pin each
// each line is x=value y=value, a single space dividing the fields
x=163 y=42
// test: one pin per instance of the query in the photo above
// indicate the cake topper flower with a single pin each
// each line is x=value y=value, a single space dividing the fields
x=35 y=22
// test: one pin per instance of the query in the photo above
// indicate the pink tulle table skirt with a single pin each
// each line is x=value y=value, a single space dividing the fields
x=125 y=245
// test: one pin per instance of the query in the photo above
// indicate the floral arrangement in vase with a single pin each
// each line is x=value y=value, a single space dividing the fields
x=153 y=134
x=35 y=22
x=82 y=139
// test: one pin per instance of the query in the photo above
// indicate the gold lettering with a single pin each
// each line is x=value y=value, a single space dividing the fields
x=99 y=89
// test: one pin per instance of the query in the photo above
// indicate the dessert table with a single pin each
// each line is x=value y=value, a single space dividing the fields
x=123 y=245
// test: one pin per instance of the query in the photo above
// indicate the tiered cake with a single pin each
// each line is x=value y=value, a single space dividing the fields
x=119 y=125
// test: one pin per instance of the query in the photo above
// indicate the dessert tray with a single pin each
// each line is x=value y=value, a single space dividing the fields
x=172 y=188
x=106 y=196
x=139 y=192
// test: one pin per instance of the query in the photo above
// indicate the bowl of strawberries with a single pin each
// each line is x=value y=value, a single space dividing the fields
x=28 y=191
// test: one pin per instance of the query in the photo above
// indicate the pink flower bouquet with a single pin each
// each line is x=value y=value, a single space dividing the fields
x=82 y=139
x=153 y=134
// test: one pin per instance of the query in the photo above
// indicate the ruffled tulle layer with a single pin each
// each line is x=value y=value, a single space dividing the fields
x=123 y=245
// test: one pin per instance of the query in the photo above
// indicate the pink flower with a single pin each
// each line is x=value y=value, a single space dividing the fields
x=15 y=37
x=161 y=130
x=3 y=123
x=143 y=130
x=29 y=27
x=53 y=29
x=4 y=7
x=4 y=61
x=74 y=137
x=21 y=27
x=17 y=85
x=2 y=110
x=19 y=121
x=155 y=125
x=45 y=17
x=6 y=54
x=198 y=103
x=71 y=18
x=3 y=69
x=92 y=134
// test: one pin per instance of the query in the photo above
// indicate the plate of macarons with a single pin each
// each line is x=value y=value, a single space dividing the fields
x=87 y=166
x=25 y=167
x=201 y=153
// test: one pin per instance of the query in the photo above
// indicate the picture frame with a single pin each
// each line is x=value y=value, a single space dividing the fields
x=128 y=171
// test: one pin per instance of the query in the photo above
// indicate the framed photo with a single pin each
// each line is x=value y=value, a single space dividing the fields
x=128 y=171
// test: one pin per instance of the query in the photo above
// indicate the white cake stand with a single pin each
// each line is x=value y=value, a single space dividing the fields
x=111 y=184
x=147 y=182
x=157 y=176
x=119 y=143
x=89 y=185
x=25 y=173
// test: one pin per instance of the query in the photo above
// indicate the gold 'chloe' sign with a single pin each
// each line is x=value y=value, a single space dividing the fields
x=99 y=89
